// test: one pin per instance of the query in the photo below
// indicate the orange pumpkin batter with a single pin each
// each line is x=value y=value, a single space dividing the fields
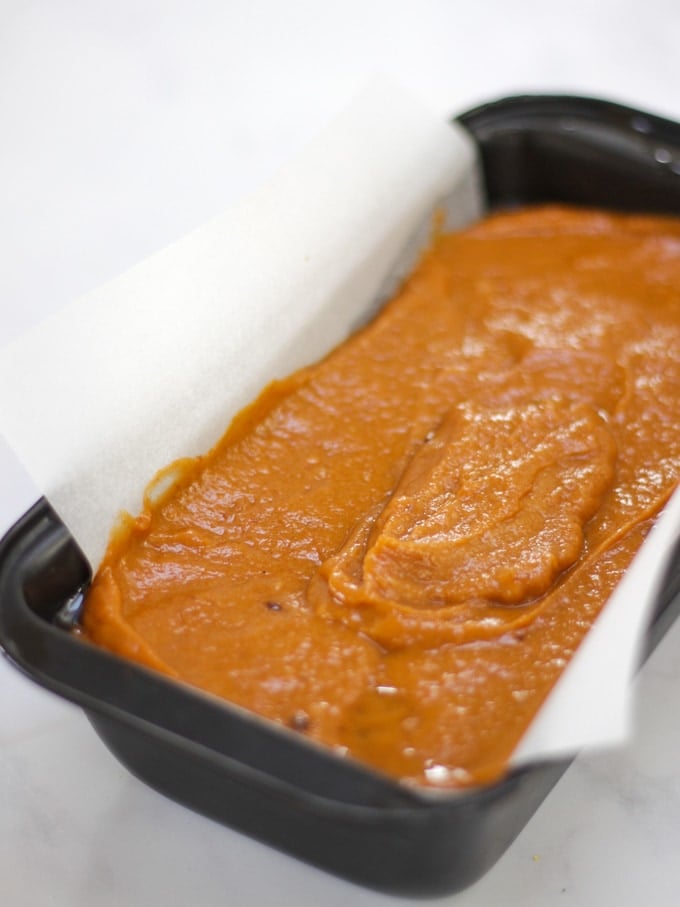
x=397 y=550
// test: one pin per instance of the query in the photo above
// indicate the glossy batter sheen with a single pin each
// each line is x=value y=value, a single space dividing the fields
x=397 y=550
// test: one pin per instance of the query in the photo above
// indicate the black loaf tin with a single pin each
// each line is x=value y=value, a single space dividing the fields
x=265 y=780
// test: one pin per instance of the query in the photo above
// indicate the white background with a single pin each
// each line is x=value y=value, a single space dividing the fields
x=124 y=125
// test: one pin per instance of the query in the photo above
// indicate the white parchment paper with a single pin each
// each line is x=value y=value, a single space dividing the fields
x=153 y=366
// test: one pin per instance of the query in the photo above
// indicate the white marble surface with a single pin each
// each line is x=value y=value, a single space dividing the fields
x=125 y=125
